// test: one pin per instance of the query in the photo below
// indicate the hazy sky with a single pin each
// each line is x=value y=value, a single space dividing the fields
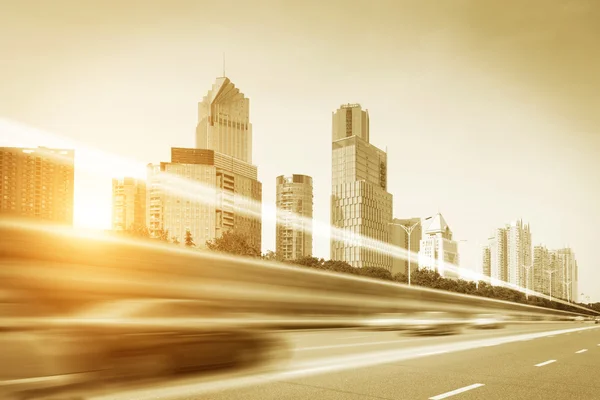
x=490 y=111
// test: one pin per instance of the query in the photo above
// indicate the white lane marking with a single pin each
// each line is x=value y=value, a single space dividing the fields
x=457 y=391
x=335 y=346
x=581 y=351
x=551 y=336
x=544 y=363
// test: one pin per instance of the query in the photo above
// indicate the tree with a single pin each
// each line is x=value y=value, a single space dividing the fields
x=189 y=240
x=309 y=261
x=400 y=277
x=163 y=235
x=339 y=266
x=139 y=231
x=376 y=272
x=272 y=256
x=175 y=240
x=233 y=242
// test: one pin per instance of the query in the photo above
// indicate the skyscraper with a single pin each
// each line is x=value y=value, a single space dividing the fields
x=205 y=192
x=541 y=269
x=360 y=203
x=510 y=254
x=224 y=121
x=567 y=274
x=518 y=245
x=129 y=204
x=37 y=183
x=438 y=251
x=399 y=237
x=294 y=216
x=497 y=244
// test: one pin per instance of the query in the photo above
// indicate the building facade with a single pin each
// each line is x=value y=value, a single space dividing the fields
x=541 y=270
x=486 y=261
x=497 y=245
x=129 y=204
x=518 y=260
x=205 y=192
x=438 y=251
x=361 y=207
x=224 y=121
x=399 y=237
x=294 y=216
x=37 y=183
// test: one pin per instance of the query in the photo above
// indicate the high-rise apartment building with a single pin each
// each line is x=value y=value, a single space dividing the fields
x=361 y=207
x=497 y=245
x=129 y=204
x=566 y=271
x=205 y=192
x=542 y=272
x=399 y=236
x=510 y=254
x=438 y=251
x=518 y=260
x=486 y=261
x=37 y=183
x=294 y=216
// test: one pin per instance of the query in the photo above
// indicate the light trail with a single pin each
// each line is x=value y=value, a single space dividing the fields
x=96 y=160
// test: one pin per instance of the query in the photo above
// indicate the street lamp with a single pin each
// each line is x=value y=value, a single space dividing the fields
x=550 y=272
x=408 y=230
x=567 y=289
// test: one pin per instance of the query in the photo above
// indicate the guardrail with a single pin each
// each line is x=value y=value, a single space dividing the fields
x=68 y=267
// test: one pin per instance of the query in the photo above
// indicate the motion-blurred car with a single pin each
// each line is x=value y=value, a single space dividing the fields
x=385 y=322
x=433 y=323
x=488 y=321
x=126 y=339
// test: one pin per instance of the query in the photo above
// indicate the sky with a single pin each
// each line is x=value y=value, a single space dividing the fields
x=488 y=110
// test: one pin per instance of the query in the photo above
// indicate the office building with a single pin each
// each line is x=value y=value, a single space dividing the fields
x=294 y=216
x=224 y=121
x=129 y=204
x=37 y=183
x=399 y=237
x=361 y=207
x=438 y=251
x=205 y=192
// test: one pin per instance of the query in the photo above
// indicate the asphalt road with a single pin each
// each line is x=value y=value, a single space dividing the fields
x=545 y=361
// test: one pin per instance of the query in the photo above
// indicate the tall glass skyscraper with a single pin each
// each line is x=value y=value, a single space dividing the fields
x=360 y=203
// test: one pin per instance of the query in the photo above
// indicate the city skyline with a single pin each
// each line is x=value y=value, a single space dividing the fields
x=457 y=159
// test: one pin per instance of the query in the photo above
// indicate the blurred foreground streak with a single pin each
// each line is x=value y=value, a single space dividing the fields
x=81 y=309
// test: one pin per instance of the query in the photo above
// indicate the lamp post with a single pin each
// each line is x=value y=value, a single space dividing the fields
x=409 y=230
x=550 y=272
x=567 y=289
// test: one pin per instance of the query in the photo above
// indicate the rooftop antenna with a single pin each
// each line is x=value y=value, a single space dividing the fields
x=223 y=64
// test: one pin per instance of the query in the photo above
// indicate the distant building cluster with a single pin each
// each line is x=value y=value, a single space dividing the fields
x=510 y=257
x=212 y=188
x=37 y=183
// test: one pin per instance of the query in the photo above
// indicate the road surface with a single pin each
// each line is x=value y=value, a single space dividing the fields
x=545 y=361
